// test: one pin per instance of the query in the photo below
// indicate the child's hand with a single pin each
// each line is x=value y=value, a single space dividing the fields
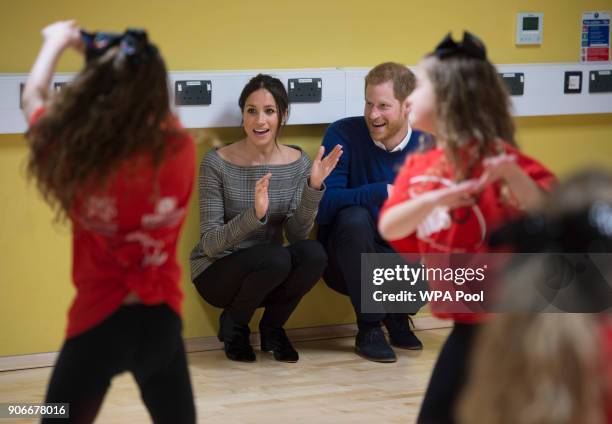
x=457 y=196
x=64 y=34
x=498 y=168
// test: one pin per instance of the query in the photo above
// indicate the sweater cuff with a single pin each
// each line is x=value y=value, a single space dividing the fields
x=311 y=197
x=379 y=192
x=250 y=221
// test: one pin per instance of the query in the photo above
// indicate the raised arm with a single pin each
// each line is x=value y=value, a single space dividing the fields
x=402 y=219
x=57 y=37
x=301 y=219
x=523 y=187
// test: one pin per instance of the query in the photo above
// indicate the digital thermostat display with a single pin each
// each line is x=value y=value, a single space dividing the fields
x=531 y=23
x=529 y=28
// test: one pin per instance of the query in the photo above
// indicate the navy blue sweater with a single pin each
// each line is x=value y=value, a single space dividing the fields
x=363 y=172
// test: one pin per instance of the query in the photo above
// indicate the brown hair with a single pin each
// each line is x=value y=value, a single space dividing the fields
x=472 y=106
x=402 y=77
x=113 y=109
x=536 y=369
x=543 y=368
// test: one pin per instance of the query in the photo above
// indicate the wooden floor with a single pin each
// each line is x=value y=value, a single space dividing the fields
x=330 y=384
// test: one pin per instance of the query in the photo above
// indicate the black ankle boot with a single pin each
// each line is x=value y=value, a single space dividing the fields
x=235 y=338
x=400 y=333
x=371 y=344
x=275 y=339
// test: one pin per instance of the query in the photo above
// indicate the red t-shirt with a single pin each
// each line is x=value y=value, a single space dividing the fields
x=125 y=235
x=462 y=230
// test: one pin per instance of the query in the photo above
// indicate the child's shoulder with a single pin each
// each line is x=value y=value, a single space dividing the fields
x=180 y=143
x=176 y=133
x=523 y=158
x=510 y=148
x=424 y=157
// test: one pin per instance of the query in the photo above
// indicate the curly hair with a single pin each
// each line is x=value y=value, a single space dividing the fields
x=114 y=109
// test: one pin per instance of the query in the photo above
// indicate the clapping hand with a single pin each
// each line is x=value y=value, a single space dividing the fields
x=322 y=167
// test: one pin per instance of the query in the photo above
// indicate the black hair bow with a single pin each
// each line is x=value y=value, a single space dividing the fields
x=470 y=46
x=133 y=43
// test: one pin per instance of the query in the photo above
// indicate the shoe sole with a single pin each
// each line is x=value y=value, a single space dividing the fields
x=380 y=360
x=407 y=347
x=279 y=360
x=241 y=360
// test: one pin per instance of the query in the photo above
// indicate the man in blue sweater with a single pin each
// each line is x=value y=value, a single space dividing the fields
x=374 y=148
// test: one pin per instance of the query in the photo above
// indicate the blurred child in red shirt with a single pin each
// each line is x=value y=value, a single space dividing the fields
x=107 y=153
x=448 y=199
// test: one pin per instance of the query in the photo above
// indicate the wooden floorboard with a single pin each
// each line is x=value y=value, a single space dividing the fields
x=330 y=384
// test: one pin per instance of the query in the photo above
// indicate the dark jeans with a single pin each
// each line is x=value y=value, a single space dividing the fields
x=145 y=340
x=449 y=376
x=352 y=233
x=269 y=275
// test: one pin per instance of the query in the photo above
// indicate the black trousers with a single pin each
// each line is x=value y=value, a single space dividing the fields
x=269 y=275
x=145 y=340
x=352 y=233
x=449 y=376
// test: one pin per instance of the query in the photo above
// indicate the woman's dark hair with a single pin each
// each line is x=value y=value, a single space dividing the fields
x=275 y=87
x=116 y=107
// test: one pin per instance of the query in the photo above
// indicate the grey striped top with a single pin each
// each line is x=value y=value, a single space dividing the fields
x=227 y=213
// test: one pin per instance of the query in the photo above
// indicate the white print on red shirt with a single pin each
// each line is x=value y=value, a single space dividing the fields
x=439 y=219
x=101 y=208
x=100 y=214
x=166 y=214
x=153 y=249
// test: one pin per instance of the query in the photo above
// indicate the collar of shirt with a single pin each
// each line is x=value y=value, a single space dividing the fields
x=399 y=147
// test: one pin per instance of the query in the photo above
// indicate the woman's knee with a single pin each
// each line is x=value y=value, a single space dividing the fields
x=274 y=258
x=310 y=253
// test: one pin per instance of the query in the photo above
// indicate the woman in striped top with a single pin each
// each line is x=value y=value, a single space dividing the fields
x=253 y=193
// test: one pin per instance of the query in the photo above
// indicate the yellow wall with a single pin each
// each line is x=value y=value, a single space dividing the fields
x=195 y=35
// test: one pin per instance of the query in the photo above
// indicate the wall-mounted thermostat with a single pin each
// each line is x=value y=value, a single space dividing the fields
x=529 y=28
